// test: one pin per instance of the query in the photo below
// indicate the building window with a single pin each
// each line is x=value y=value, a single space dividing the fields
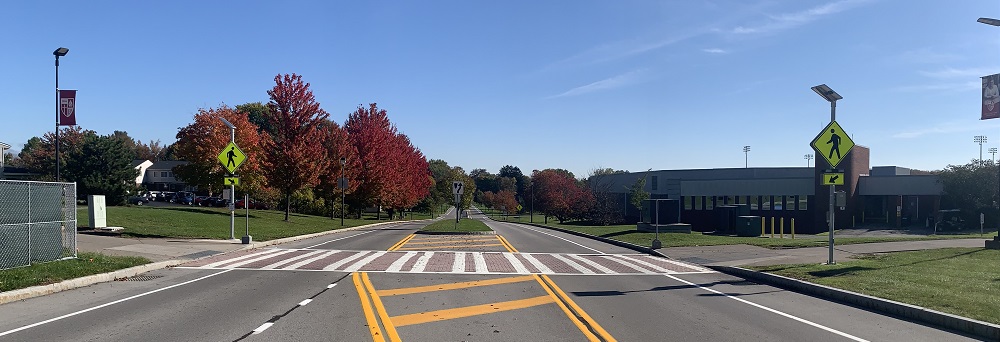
x=803 y=202
x=656 y=183
x=731 y=200
x=687 y=203
x=765 y=203
x=709 y=202
x=698 y=203
x=753 y=202
x=779 y=203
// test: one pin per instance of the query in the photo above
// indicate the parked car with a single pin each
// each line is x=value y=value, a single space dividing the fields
x=199 y=199
x=185 y=200
x=138 y=200
x=241 y=204
x=213 y=202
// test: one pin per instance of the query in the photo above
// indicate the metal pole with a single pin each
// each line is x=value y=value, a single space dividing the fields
x=832 y=217
x=246 y=203
x=57 y=119
x=343 y=207
x=232 y=196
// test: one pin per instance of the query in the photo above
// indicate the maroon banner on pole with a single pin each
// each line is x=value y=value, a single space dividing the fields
x=991 y=97
x=67 y=107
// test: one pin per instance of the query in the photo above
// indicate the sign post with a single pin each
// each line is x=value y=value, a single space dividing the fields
x=231 y=157
x=833 y=144
x=457 y=188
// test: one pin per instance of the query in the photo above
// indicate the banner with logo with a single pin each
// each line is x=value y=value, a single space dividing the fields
x=991 y=97
x=67 y=108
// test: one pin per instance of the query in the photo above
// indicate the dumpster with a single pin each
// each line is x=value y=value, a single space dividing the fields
x=748 y=226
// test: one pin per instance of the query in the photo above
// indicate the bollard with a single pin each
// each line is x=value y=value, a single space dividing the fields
x=762 y=231
x=854 y=222
x=782 y=227
x=772 y=227
x=887 y=217
x=793 y=228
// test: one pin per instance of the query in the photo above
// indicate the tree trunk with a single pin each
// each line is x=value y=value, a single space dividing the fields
x=288 y=205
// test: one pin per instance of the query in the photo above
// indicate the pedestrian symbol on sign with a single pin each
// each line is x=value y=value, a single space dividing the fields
x=833 y=144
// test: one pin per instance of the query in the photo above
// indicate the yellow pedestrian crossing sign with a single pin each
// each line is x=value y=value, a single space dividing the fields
x=231 y=180
x=833 y=178
x=519 y=207
x=833 y=144
x=231 y=157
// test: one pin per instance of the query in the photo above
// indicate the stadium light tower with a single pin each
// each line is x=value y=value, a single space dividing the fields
x=993 y=151
x=746 y=154
x=981 y=139
x=808 y=157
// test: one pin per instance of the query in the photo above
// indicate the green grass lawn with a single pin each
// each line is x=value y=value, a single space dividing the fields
x=628 y=233
x=53 y=272
x=464 y=225
x=960 y=281
x=213 y=223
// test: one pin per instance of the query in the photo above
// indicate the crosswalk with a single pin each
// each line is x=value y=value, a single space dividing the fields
x=453 y=262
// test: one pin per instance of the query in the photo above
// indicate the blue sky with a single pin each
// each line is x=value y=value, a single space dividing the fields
x=536 y=84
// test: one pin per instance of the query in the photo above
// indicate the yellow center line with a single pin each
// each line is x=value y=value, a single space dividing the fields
x=386 y=322
x=446 y=247
x=453 y=286
x=579 y=311
x=447 y=241
x=468 y=311
x=401 y=242
x=366 y=307
x=551 y=288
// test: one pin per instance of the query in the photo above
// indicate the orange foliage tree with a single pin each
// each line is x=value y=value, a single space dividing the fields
x=200 y=142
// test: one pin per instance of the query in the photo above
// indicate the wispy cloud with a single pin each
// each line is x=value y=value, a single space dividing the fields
x=927 y=56
x=959 y=73
x=786 y=21
x=951 y=86
x=946 y=127
x=622 y=80
x=619 y=50
x=715 y=51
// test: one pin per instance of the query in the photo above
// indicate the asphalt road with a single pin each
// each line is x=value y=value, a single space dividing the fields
x=235 y=297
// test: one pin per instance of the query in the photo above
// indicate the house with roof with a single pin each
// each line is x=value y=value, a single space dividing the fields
x=160 y=175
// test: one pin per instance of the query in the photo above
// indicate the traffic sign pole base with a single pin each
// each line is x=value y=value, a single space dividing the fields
x=246 y=240
x=657 y=244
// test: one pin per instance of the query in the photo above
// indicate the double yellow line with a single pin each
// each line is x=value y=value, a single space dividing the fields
x=402 y=242
x=580 y=318
x=371 y=303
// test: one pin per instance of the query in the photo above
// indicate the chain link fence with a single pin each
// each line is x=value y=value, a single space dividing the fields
x=37 y=222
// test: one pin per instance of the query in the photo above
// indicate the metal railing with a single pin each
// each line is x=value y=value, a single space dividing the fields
x=37 y=222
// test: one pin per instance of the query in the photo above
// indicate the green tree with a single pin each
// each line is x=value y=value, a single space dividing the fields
x=971 y=188
x=637 y=194
x=259 y=114
x=102 y=166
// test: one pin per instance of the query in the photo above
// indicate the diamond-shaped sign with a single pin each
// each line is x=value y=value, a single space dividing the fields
x=231 y=157
x=833 y=144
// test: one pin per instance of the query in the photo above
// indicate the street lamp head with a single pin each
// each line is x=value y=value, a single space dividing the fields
x=827 y=93
x=228 y=124
x=989 y=21
x=343 y=161
x=60 y=52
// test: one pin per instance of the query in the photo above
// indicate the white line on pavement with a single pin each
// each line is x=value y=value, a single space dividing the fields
x=343 y=261
x=331 y=285
x=262 y=327
x=398 y=264
x=459 y=265
x=480 y=262
x=338 y=239
x=771 y=310
x=561 y=238
x=518 y=266
x=593 y=264
x=304 y=302
x=361 y=263
x=108 y=304
x=573 y=264
x=538 y=264
x=422 y=262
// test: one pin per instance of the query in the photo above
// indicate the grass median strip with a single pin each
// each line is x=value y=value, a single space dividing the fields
x=213 y=223
x=959 y=281
x=464 y=226
x=56 y=271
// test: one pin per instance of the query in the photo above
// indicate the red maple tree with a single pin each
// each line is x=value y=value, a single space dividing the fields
x=559 y=194
x=338 y=145
x=296 y=156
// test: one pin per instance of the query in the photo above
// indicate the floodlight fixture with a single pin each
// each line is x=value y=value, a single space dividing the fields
x=827 y=93
x=228 y=124
x=60 y=52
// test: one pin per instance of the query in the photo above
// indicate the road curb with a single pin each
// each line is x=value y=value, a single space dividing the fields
x=420 y=232
x=970 y=326
x=623 y=244
x=41 y=290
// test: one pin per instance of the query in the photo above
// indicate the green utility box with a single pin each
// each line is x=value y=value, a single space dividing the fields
x=748 y=226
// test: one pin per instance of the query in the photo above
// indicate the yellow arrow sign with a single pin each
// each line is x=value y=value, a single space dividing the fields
x=231 y=181
x=833 y=144
x=231 y=157
x=833 y=179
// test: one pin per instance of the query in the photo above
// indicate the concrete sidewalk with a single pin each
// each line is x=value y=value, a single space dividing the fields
x=745 y=255
x=154 y=249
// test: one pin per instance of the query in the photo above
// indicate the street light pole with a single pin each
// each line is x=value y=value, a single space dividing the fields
x=58 y=53
x=232 y=187
x=993 y=22
x=824 y=91
x=343 y=190
x=746 y=154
